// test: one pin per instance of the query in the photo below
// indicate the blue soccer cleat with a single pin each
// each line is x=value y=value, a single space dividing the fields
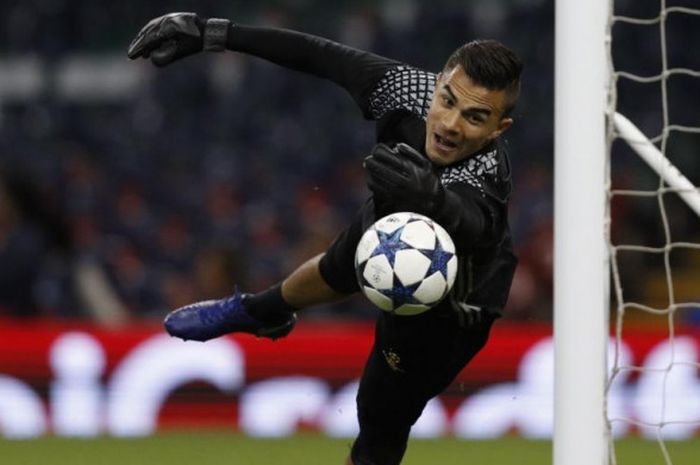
x=209 y=319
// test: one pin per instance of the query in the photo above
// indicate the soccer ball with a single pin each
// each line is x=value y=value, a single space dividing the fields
x=405 y=263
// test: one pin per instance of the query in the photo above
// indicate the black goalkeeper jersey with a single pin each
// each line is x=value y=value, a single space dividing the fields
x=398 y=97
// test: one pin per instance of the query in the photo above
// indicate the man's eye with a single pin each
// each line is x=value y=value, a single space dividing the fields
x=447 y=100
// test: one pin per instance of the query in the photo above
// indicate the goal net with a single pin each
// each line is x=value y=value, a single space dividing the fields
x=653 y=148
x=627 y=227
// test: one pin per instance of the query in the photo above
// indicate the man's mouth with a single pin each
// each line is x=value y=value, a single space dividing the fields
x=444 y=144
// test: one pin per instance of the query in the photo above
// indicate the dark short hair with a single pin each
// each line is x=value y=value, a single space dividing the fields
x=492 y=65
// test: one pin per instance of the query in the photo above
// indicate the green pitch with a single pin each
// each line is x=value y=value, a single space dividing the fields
x=222 y=448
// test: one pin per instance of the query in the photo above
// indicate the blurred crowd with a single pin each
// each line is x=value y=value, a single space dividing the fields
x=225 y=170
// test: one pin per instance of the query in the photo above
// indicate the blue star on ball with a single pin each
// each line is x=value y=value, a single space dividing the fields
x=389 y=245
x=400 y=294
x=438 y=259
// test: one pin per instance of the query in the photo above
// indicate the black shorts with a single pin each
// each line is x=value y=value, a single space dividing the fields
x=413 y=359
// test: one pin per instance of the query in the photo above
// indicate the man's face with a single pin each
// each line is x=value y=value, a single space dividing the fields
x=463 y=118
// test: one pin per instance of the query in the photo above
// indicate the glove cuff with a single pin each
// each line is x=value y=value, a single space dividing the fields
x=215 y=34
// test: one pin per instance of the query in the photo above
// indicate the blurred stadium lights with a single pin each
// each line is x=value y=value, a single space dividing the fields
x=78 y=78
x=22 y=78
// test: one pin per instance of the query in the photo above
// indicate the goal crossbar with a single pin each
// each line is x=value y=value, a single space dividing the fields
x=657 y=161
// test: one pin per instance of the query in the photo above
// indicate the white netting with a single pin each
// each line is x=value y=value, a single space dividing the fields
x=654 y=227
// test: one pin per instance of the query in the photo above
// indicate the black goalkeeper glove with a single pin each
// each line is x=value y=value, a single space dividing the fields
x=404 y=178
x=176 y=35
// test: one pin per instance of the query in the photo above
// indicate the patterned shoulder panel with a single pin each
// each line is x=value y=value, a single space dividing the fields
x=475 y=171
x=403 y=88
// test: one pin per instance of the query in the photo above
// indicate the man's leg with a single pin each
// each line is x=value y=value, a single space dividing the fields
x=413 y=359
x=385 y=421
x=305 y=286
x=270 y=313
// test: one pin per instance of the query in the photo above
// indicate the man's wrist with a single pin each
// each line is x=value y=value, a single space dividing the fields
x=215 y=34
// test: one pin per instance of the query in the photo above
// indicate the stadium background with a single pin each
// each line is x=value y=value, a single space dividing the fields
x=129 y=190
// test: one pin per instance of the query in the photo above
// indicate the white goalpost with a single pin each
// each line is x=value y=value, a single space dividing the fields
x=587 y=122
x=580 y=246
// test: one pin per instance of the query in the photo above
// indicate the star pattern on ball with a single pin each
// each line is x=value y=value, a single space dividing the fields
x=438 y=259
x=389 y=245
x=400 y=294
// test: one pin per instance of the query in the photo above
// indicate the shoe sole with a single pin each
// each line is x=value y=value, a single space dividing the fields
x=277 y=332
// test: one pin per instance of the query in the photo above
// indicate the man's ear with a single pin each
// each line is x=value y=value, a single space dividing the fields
x=503 y=125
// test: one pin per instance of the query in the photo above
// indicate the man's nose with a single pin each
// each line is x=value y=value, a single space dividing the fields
x=450 y=121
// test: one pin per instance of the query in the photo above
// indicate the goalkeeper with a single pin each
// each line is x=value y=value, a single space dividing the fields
x=438 y=154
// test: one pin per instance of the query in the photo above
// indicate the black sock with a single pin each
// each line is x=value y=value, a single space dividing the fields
x=269 y=305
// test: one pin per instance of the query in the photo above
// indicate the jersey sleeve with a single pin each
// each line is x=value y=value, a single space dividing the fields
x=402 y=87
x=376 y=83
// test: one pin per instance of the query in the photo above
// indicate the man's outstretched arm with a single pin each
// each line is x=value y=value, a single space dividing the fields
x=176 y=35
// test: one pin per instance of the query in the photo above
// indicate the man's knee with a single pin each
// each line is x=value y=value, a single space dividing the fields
x=380 y=446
